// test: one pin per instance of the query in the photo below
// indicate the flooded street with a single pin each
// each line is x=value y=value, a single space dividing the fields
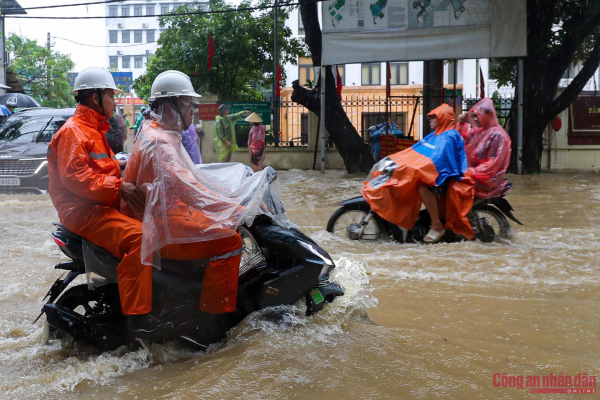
x=416 y=321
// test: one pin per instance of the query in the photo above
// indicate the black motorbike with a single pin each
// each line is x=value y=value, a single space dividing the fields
x=279 y=266
x=355 y=220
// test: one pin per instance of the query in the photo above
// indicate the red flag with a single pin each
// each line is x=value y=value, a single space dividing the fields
x=211 y=51
x=388 y=85
x=278 y=89
x=481 y=84
x=338 y=82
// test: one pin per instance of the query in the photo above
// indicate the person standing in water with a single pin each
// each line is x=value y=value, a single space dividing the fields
x=256 y=142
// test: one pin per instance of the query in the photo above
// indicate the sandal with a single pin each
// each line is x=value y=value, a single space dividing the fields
x=434 y=236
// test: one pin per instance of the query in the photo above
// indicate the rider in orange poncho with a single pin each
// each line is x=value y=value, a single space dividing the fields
x=86 y=187
x=399 y=183
x=183 y=218
x=488 y=149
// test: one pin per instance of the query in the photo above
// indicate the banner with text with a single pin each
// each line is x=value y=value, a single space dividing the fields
x=413 y=30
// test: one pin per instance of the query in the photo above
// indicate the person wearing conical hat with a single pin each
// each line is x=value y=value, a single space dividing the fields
x=256 y=142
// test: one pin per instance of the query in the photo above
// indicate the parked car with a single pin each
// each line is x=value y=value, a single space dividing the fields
x=24 y=140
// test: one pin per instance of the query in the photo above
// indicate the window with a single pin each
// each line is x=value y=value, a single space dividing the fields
x=22 y=129
x=137 y=36
x=113 y=61
x=126 y=62
x=137 y=10
x=112 y=37
x=150 y=10
x=150 y=36
x=399 y=73
x=176 y=5
x=113 y=11
x=125 y=11
x=164 y=9
x=138 y=62
x=371 y=74
x=300 y=24
x=451 y=72
x=305 y=70
x=126 y=36
x=304 y=128
x=50 y=129
x=342 y=71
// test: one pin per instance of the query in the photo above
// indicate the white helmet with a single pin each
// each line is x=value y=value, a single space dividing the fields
x=95 y=78
x=172 y=84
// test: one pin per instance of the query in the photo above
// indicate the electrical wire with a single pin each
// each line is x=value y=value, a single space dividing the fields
x=3 y=10
x=171 y=14
x=93 y=45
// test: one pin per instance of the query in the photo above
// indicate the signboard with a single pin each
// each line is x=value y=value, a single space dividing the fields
x=584 y=120
x=410 y=30
x=121 y=78
x=136 y=101
x=208 y=111
x=71 y=77
x=262 y=108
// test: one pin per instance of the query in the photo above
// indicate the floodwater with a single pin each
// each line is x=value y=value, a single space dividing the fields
x=416 y=322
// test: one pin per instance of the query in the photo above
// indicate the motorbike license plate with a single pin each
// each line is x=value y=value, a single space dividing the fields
x=10 y=182
x=317 y=296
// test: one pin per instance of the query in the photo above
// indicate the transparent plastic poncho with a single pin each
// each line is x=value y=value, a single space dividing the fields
x=488 y=150
x=187 y=203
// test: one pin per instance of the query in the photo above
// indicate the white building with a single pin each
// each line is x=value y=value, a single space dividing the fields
x=130 y=41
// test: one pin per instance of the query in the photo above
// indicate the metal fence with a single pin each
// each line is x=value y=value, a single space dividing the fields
x=364 y=112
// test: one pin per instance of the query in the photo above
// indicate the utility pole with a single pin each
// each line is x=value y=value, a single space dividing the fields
x=520 y=116
x=3 y=60
x=275 y=122
x=47 y=67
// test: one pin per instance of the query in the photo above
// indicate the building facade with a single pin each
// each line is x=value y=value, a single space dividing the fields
x=133 y=30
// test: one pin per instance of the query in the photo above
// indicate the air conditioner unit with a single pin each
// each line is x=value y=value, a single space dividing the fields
x=120 y=25
x=148 y=52
x=119 y=52
x=144 y=25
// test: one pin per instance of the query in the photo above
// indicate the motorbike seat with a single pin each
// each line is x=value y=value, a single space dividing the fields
x=180 y=276
x=103 y=263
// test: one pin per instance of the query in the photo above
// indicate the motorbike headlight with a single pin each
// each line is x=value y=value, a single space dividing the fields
x=318 y=252
x=252 y=255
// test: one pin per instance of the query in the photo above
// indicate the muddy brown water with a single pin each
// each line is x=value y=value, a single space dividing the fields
x=416 y=322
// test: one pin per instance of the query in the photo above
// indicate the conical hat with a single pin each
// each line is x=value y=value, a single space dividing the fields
x=254 y=118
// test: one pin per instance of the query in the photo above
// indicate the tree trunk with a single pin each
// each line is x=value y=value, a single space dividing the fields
x=354 y=151
x=543 y=71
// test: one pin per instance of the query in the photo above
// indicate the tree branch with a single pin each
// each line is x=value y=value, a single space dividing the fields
x=576 y=86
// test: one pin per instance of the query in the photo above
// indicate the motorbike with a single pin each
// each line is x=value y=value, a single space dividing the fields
x=280 y=265
x=356 y=221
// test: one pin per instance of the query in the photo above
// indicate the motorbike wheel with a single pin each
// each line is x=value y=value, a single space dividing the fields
x=495 y=225
x=90 y=303
x=345 y=217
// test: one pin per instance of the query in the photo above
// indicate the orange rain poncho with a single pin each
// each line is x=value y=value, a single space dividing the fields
x=391 y=188
x=488 y=150
x=193 y=212
x=85 y=182
x=183 y=219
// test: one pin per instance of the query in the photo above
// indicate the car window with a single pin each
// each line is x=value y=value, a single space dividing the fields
x=22 y=129
x=51 y=129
